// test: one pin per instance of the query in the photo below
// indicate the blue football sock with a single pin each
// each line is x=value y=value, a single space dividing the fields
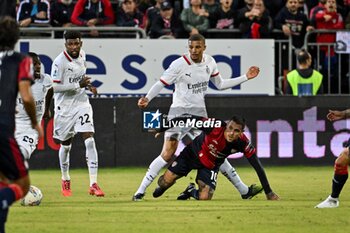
x=7 y=197
x=3 y=217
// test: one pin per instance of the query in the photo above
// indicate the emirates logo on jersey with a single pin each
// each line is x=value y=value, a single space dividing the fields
x=75 y=80
x=199 y=87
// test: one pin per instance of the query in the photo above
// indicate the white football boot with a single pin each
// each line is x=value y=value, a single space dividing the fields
x=330 y=202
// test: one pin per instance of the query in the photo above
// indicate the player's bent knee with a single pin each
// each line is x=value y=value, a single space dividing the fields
x=166 y=180
x=340 y=167
x=340 y=162
x=68 y=142
x=343 y=159
x=87 y=135
x=205 y=191
x=203 y=196
x=167 y=154
x=169 y=149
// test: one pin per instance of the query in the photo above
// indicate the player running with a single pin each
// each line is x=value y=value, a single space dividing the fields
x=26 y=136
x=73 y=111
x=191 y=74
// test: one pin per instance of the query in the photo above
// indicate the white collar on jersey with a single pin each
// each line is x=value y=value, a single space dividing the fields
x=188 y=59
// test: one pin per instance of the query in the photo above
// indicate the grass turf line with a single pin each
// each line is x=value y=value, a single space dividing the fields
x=300 y=188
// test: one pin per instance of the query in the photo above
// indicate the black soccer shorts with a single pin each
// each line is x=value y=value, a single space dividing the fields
x=186 y=162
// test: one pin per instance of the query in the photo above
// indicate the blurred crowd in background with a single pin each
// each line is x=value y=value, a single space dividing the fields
x=179 y=19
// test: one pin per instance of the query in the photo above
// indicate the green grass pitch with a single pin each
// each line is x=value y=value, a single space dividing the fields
x=300 y=189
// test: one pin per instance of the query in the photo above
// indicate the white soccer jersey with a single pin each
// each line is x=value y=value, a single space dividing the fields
x=39 y=91
x=191 y=84
x=69 y=72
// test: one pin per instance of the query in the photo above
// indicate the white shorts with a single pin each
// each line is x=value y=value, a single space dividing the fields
x=65 y=127
x=179 y=133
x=27 y=141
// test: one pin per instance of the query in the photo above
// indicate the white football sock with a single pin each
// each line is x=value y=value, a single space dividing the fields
x=63 y=155
x=91 y=159
x=153 y=171
x=227 y=170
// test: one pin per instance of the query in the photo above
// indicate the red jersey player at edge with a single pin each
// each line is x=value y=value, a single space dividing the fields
x=16 y=75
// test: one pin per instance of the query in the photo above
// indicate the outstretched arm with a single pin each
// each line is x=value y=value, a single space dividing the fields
x=252 y=72
x=259 y=169
x=153 y=92
x=338 y=115
x=222 y=84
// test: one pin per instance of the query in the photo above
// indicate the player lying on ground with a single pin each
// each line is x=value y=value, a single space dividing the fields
x=206 y=154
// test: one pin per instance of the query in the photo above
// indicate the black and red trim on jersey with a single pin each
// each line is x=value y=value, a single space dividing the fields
x=67 y=56
x=25 y=70
x=187 y=60
x=165 y=83
x=212 y=147
x=214 y=75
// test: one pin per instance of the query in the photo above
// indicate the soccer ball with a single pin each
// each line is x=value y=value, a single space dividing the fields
x=33 y=197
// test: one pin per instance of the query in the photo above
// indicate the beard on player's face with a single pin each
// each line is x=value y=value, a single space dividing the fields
x=73 y=47
x=37 y=67
x=74 y=53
